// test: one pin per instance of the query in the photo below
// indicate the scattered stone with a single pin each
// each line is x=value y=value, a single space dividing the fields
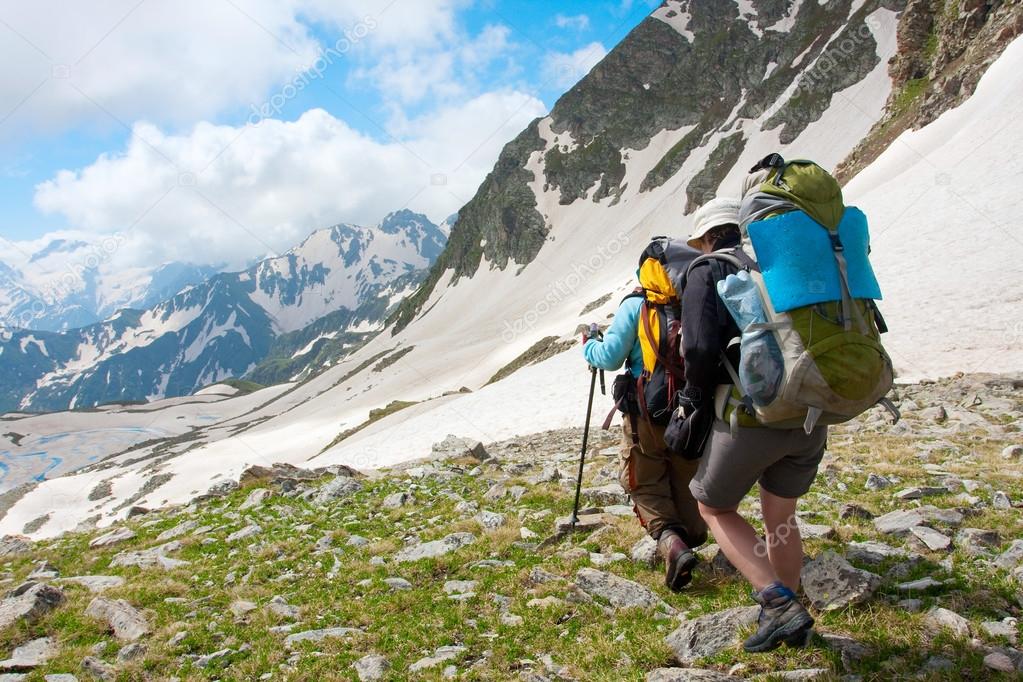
x=245 y=533
x=814 y=530
x=600 y=559
x=539 y=576
x=282 y=608
x=872 y=553
x=919 y=585
x=1000 y=500
x=854 y=511
x=1013 y=452
x=1007 y=628
x=830 y=582
x=13 y=544
x=357 y=541
x=939 y=618
x=398 y=500
x=113 y=537
x=255 y=499
x=398 y=584
x=317 y=635
x=214 y=659
x=1012 y=557
x=460 y=586
x=29 y=602
x=688 y=675
x=877 y=482
x=441 y=655
x=94 y=583
x=490 y=520
x=436 y=548
x=31 y=655
x=57 y=677
x=898 y=521
x=996 y=660
x=371 y=668
x=126 y=622
x=241 y=608
x=932 y=539
x=911 y=605
x=453 y=447
x=130 y=652
x=619 y=592
x=97 y=668
x=918 y=492
x=977 y=541
x=149 y=558
x=710 y=634
x=611 y=493
x=338 y=489
x=645 y=551
x=804 y=674
x=849 y=650
x=177 y=531
x=585 y=523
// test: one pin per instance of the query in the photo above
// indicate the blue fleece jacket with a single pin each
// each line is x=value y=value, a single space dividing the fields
x=620 y=341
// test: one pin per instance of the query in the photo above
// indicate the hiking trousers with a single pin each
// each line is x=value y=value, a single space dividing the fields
x=659 y=484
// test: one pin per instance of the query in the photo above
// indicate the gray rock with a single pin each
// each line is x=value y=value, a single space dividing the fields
x=996 y=660
x=453 y=447
x=337 y=489
x=113 y=537
x=1000 y=500
x=31 y=655
x=96 y=668
x=399 y=584
x=436 y=548
x=490 y=520
x=126 y=622
x=280 y=607
x=1007 y=628
x=899 y=521
x=149 y=558
x=830 y=582
x=814 y=530
x=94 y=583
x=688 y=675
x=460 y=586
x=645 y=551
x=398 y=500
x=918 y=492
x=177 y=531
x=357 y=541
x=1013 y=452
x=911 y=605
x=1011 y=557
x=710 y=634
x=619 y=592
x=441 y=655
x=877 y=482
x=939 y=618
x=371 y=668
x=932 y=539
x=11 y=545
x=130 y=652
x=29 y=602
x=872 y=553
x=255 y=498
x=611 y=493
x=977 y=541
x=245 y=533
x=215 y=659
x=317 y=635
x=585 y=523
x=241 y=608
x=57 y=677
x=854 y=511
x=803 y=674
x=919 y=585
x=849 y=650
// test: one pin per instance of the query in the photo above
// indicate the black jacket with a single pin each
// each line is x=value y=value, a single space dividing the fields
x=707 y=327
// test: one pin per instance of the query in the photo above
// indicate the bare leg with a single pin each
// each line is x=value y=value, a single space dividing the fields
x=785 y=547
x=739 y=541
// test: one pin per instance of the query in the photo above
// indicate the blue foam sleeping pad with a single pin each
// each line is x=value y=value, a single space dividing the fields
x=799 y=267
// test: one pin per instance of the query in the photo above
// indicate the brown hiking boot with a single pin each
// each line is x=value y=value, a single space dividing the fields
x=679 y=560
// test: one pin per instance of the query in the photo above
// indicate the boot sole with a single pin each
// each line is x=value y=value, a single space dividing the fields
x=682 y=572
x=795 y=633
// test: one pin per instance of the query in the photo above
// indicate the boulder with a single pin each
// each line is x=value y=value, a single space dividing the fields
x=899 y=521
x=29 y=602
x=338 y=489
x=126 y=622
x=255 y=498
x=113 y=537
x=933 y=540
x=938 y=619
x=13 y=544
x=830 y=582
x=436 y=548
x=617 y=591
x=645 y=551
x=371 y=668
x=710 y=634
x=453 y=447
x=152 y=557
x=977 y=541
x=30 y=655
x=1011 y=557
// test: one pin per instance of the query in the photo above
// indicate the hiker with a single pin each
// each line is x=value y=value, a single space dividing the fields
x=784 y=462
x=818 y=293
x=644 y=336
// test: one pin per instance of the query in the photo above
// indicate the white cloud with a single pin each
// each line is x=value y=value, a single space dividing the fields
x=577 y=22
x=178 y=62
x=228 y=194
x=565 y=69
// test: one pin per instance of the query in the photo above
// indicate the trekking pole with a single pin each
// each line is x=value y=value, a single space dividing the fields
x=593 y=334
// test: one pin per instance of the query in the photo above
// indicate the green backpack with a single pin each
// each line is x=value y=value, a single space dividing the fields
x=817 y=291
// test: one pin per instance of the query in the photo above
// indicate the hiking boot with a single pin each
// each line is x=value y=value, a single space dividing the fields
x=679 y=560
x=782 y=619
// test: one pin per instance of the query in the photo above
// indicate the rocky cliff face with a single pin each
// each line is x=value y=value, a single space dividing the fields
x=945 y=46
x=721 y=70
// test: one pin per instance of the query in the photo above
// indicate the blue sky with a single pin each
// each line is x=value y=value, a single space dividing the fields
x=109 y=110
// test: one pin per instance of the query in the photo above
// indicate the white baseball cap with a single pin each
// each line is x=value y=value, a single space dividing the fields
x=715 y=213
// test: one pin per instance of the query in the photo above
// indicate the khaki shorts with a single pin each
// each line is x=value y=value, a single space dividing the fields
x=783 y=461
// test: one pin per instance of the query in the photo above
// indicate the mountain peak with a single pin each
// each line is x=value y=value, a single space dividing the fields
x=402 y=219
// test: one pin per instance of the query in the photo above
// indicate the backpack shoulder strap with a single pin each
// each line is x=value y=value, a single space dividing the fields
x=735 y=257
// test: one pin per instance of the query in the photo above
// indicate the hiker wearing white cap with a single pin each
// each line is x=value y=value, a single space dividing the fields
x=712 y=222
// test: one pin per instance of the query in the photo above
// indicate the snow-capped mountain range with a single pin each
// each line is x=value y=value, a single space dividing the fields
x=227 y=325
x=917 y=108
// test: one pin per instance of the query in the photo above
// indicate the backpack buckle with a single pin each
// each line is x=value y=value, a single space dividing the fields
x=836 y=242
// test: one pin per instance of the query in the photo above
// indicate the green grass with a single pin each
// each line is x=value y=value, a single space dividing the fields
x=404 y=626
